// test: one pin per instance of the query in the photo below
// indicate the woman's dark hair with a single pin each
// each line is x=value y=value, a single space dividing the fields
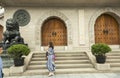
x=51 y=45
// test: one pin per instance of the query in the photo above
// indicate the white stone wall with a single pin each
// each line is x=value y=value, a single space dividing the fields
x=79 y=21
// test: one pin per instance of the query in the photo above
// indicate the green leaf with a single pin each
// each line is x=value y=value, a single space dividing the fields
x=17 y=50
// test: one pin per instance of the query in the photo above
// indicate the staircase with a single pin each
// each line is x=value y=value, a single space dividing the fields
x=70 y=62
x=6 y=60
x=113 y=58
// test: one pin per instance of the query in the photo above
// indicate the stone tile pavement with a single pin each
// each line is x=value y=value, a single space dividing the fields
x=82 y=75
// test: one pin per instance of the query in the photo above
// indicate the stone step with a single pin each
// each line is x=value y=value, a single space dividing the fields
x=71 y=62
x=113 y=54
x=61 y=55
x=61 y=66
x=62 y=58
x=113 y=60
x=81 y=53
x=115 y=69
x=7 y=61
x=59 y=71
x=61 y=62
x=113 y=57
x=115 y=51
x=114 y=64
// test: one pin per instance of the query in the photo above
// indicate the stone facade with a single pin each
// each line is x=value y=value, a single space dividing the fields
x=79 y=22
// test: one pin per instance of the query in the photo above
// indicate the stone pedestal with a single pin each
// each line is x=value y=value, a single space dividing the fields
x=6 y=71
x=102 y=66
x=7 y=60
x=16 y=70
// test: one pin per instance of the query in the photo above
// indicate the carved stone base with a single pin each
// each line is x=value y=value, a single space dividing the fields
x=20 y=70
x=102 y=66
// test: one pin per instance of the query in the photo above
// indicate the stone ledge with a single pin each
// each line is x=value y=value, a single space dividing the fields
x=16 y=70
x=102 y=66
x=6 y=71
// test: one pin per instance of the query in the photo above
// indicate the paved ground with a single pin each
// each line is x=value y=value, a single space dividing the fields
x=88 y=75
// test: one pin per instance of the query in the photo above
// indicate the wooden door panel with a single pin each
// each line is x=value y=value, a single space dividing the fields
x=106 y=30
x=113 y=30
x=53 y=30
x=99 y=25
x=1 y=33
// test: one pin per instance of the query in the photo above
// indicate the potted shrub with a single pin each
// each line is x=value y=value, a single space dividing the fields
x=99 y=50
x=16 y=51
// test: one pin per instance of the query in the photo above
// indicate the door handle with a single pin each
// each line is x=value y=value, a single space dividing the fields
x=105 y=31
x=54 y=33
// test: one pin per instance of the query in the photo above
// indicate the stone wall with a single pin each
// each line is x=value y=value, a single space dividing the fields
x=79 y=22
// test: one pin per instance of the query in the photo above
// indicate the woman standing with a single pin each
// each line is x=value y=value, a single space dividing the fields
x=1 y=64
x=50 y=61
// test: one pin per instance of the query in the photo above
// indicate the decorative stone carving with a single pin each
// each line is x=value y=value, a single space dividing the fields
x=12 y=34
x=52 y=13
x=22 y=17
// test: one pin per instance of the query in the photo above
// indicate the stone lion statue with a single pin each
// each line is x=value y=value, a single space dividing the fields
x=12 y=34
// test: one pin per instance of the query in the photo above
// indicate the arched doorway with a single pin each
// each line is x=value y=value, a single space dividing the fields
x=1 y=33
x=106 y=30
x=54 y=30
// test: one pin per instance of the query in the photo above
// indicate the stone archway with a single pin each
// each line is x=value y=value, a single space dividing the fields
x=106 y=30
x=53 y=13
x=111 y=11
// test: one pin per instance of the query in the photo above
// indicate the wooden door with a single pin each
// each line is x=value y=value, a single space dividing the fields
x=1 y=33
x=106 y=30
x=54 y=30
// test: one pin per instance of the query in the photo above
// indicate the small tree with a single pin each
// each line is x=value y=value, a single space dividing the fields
x=16 y=51
x=99 y=50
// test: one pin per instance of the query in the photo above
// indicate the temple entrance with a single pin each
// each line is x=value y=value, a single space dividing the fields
x=107 y=30
x=54 y=30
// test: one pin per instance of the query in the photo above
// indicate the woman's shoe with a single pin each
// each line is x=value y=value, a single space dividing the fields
x=51 y=74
